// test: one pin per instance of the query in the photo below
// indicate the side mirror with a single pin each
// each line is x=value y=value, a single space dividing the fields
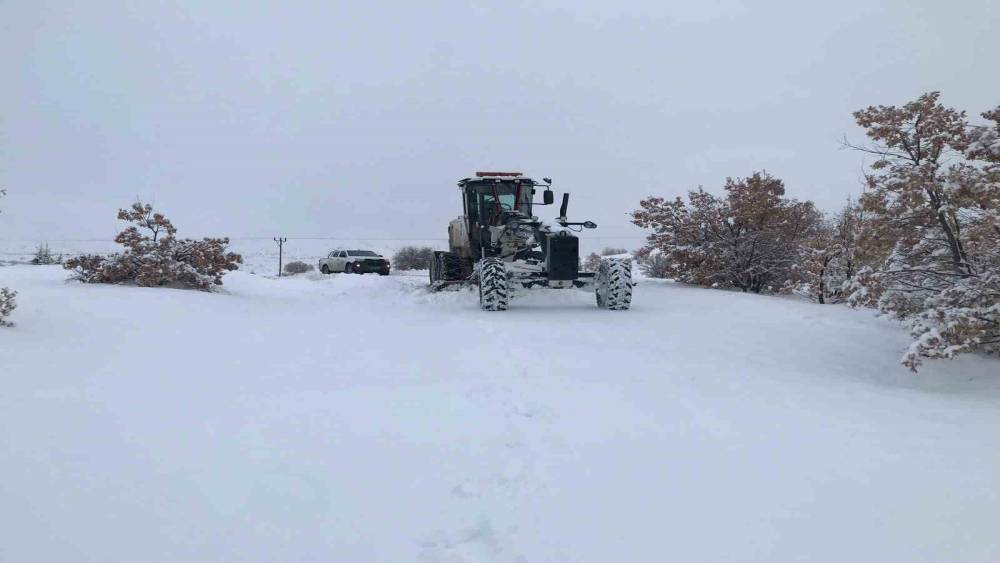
x=589 y=225
x=548 y=198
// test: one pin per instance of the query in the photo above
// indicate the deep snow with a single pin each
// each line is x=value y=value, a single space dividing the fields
x=360 y=418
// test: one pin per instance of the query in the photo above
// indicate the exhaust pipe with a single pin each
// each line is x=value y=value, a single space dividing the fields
x=562 y=208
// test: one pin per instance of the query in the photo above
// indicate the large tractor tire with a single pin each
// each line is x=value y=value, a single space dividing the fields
x=445 y=267
x=614 y=284
x=493 y=291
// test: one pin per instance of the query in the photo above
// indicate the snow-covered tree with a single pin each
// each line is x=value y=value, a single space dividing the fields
x=153 y=256
x=932 y=196
x=818 y=270
x=828 y=257
x=747 y=240
x=983 y=183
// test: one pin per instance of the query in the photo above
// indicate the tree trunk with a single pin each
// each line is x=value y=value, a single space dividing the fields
x=822 y=285
x=958 y=258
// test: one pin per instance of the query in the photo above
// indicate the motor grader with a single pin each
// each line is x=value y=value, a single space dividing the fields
x=498 y=244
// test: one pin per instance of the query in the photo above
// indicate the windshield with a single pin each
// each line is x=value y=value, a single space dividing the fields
x=497 y=197
x=506 y=200
x=361 y=253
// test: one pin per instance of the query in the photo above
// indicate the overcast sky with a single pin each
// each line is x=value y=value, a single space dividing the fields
x=355 y=119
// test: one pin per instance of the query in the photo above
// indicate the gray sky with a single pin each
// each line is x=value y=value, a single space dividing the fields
x=355 y=119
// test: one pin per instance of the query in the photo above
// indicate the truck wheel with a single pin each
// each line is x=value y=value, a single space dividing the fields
x=614 y=284
x=493 y=293
x=325 y=269
x=347 y=268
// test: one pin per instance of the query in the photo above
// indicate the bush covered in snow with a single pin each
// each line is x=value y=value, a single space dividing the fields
x=153 y=256
x=593 y=260
x=412 y=258
x=652 y=263
x=827 y=259
x=298 y=267
x=933 y=196
x=750 y=239
x=7 y=305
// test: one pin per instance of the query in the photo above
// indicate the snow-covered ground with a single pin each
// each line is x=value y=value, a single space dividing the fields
x=361 y=418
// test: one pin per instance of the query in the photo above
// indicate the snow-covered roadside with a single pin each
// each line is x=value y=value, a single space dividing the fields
x=360 y=418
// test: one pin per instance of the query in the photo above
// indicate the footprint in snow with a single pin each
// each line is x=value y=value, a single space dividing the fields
x=478 y=543
x=466 y=490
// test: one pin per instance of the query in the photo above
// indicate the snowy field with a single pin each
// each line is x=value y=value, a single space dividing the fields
x=361 y=418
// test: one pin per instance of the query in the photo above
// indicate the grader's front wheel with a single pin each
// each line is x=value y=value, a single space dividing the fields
x=614 y=284
x=493 y=291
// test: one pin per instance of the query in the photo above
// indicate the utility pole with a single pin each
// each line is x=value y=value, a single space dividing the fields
x=281 y=244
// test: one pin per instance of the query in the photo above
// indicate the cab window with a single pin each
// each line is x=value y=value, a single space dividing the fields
x=495 y=198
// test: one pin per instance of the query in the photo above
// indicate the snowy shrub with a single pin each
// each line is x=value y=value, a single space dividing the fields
x=652 y=263
x=750 y=239
x=593 y=260
x=817 y=272
x=412 y=258
x=298 y=267
x=153 y=256
x=934 y=200
x=43 y=256
x=7 y=305
x=963 y=317
x=827 y=259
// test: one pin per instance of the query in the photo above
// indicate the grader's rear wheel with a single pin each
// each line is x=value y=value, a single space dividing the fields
x=445 y=267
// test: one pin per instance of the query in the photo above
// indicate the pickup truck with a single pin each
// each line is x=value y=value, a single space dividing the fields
x=354 y=262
